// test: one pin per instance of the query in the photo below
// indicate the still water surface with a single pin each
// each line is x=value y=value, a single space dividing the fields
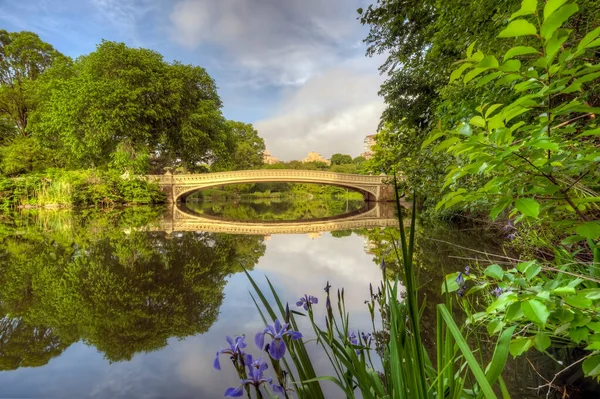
x=102 y=304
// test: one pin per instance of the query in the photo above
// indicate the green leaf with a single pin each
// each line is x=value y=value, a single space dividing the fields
x=589 y=38
x=527 y=7
x=522 y=266
x=514 y=312
x=488 y=62
x=472 y=74
x=579 y=334
x=545 y=144
x=511 y=66
x=458 y=72
x=431 y=138
x=556 y=19
x=520 y=345
x=578 y=301
x=528 y=207
x=470 y=49
x=589 y=230
x=519 y=50
x=494 y=271
x=532 y=271
x=591 y=366
x=542 y=341
x=450 y=284
x=445 y=144
x=551 y=6
x=563 y=290
x=500 y=206
x=535 y=311
x=477 y=121
x=488 y=78
x=519 y=27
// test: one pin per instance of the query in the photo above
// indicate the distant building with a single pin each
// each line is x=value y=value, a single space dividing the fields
x=316 y=157
x=368 y=146
x=312 y=236
x=268 y=159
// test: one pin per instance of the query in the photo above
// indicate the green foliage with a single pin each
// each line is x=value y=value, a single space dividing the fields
x=535 y=159
x=247 y=148
x=340 y=159
x=23 y=58
x=60 y=188
x=132 y=95
x=536 y=156
x=102 y=278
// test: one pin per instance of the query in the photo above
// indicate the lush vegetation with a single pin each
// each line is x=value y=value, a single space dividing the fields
x=117 y=110
x=109 y=279
x=508 y=131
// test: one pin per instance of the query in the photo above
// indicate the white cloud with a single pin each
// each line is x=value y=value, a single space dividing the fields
x=332 y=112
x=273 y=42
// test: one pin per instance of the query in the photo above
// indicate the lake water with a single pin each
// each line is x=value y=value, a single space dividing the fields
x=134 y=303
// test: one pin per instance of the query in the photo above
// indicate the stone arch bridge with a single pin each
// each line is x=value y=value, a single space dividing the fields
x=179 y=219
x=178 y=187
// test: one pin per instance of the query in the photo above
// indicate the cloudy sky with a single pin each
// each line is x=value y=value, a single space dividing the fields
x=296 y=69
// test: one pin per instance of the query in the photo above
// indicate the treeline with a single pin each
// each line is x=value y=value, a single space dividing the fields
x=118 y=109
x=340 y=163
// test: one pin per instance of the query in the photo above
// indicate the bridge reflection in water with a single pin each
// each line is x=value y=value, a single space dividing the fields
x=373 y=214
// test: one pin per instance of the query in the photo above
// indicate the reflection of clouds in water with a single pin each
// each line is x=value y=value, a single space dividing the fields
x=301 y=266
x=296 y=264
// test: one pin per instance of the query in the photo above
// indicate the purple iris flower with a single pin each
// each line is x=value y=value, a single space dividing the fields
x=460 y=280
x=235 y=349
x=497 y=291
x=367 y=338
x=327 y=287
x=256 y=368
x=467 y=270
x=328 y=304
x=353 y=339
x=307 y=301
x=277 y=331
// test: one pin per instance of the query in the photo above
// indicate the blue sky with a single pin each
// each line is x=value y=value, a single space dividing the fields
x=294 y=68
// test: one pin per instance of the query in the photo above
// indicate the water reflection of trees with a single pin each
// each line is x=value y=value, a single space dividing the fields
x=101 y=279
x=276 y=209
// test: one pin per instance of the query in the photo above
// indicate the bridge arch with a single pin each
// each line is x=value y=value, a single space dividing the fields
x=186 y=193
x=177 y=187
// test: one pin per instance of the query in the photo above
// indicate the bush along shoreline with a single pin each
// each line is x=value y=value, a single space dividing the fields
x=539 y=157
x=58 y=188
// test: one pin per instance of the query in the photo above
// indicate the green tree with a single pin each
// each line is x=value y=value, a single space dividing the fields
x=124 y=99
x=248 y=148
x=23 y=58
x=341 y=159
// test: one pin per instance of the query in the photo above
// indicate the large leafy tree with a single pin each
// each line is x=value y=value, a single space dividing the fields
x=23 y=58
x=245 y=146
x=130 y=100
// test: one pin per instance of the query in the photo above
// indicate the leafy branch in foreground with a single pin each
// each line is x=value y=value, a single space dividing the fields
x=539 y=154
